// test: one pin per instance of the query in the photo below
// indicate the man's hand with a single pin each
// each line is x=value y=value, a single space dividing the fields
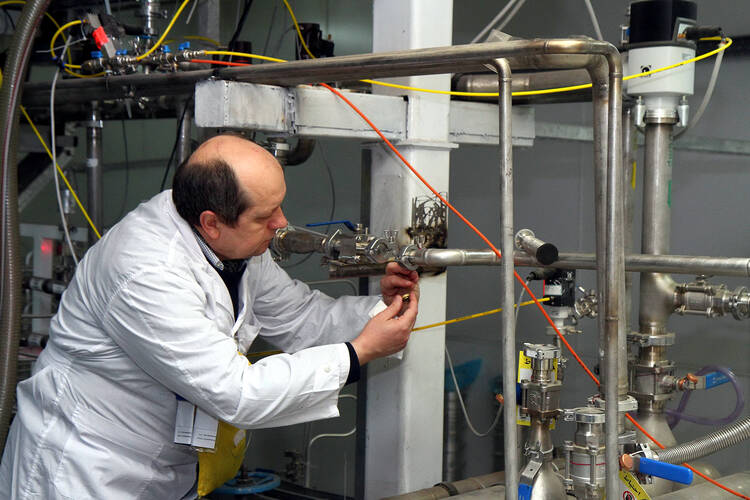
x=398 y=282
x=386 y=333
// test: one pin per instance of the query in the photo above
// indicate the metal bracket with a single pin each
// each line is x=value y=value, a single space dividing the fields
x=645 y=340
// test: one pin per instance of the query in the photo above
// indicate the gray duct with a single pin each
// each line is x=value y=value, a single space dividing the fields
x=730 y=435
x=10 y=263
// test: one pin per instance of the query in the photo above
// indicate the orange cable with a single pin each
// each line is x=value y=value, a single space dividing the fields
x=497 y=252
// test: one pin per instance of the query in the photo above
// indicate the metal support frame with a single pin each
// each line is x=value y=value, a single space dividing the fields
x=507 y=245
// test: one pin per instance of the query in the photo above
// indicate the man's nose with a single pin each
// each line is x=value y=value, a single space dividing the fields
x=279 y=221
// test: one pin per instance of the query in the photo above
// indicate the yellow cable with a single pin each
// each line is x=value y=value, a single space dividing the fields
x=49 y=16
x=166 y=31
x=299 y=32
x=425 y=327
x=242 y=54
x=59 y=32
x=62 y=174
x=477 y=315
x=728 y=42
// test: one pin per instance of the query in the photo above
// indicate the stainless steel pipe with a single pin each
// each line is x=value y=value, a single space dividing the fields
x=554 y=54
x=525 y=82
x=676 y=264
x=94 y=165
x=614 y=270
x=507 y=244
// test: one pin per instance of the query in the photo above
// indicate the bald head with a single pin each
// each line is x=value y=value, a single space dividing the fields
x=227 y=175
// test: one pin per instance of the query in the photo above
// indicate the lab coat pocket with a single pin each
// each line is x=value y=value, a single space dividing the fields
x=102 y=459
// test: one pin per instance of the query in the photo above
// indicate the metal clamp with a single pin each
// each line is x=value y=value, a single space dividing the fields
x=645 y=340
x=628 y=404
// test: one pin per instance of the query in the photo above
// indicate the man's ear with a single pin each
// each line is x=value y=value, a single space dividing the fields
x=210 y=224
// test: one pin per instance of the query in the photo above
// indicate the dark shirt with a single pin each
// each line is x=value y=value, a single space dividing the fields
x=231 y=272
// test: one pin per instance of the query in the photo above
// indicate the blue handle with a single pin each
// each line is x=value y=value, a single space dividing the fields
x=676 y=473
x=715 y=379
x=347 y=223
x=524 y=492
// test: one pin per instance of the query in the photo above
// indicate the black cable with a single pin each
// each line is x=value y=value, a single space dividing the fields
x=240 y=23
x=176 y=143
x=270 y=28
x=333 y=204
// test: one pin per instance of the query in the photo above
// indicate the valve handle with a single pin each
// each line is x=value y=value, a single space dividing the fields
x=671 y=472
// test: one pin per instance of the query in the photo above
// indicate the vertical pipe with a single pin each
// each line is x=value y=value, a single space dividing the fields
x=628 y=167
x=184 y=148
x=615 y=274
x=656 y=300
x=94 y=169
x=512 y=464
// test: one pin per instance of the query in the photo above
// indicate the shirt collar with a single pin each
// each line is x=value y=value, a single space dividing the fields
x=235 y=265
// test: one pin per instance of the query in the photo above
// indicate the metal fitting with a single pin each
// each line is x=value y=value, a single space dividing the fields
x=703 y=299
x=545 y=253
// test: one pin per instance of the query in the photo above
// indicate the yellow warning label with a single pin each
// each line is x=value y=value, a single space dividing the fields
x=630 y=488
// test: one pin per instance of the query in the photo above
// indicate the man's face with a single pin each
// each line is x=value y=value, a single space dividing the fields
x=257 y=225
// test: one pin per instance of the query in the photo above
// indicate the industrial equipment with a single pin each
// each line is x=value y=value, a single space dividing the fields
x=619 y=441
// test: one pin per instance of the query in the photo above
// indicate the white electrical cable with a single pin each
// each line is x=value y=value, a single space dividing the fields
x=706 y=97
x=494 y=21
x=463 y=406
x=54 y=161
x=107 y=7
x=321 y=436
x=594 y=20
x=512 y=14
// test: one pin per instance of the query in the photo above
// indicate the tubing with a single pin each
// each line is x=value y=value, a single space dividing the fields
x=507 y=243
x=94 y=167
x=10 y=271
x=730 y=435
x=674 y=416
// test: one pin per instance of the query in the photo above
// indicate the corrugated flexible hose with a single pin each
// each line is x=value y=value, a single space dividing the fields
x=10 y=262
x=725 y=437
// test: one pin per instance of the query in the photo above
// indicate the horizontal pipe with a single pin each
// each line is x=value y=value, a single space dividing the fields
x=448 y=489
x=555 y=54
x=526 y=82
x=678 y=264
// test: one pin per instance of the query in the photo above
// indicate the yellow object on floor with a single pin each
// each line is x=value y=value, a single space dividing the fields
x=217 y=466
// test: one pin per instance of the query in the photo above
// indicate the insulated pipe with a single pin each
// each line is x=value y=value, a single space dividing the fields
x=10 y=271
x=94 y=164
x=507 y=244
x=725 y=437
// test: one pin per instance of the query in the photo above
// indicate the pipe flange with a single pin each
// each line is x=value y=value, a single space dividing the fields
x=541 y=351
x=661 y=115
x=589 y=415
x=645 y=340
x=627 y=437
x=627 y=404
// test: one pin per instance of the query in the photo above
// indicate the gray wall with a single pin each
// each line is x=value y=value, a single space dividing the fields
x=553 y=197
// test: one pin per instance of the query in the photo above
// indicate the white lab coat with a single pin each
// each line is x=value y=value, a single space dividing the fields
x=147 y=317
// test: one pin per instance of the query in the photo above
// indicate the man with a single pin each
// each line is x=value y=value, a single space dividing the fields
x=159 y=308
